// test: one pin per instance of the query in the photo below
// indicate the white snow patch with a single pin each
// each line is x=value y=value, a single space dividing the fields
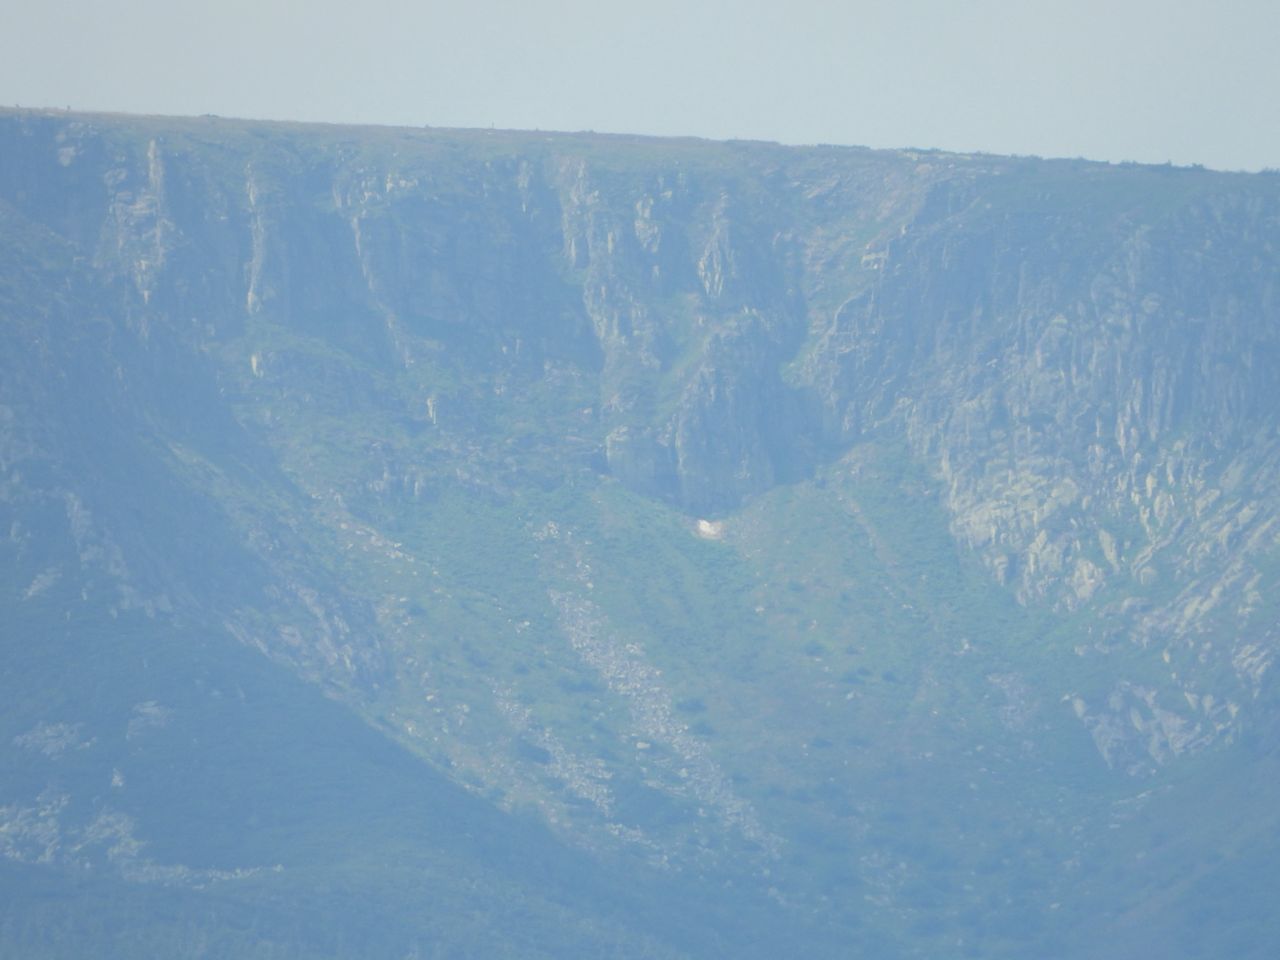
x=710 y=529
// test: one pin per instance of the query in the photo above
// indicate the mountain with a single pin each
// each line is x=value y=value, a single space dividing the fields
x=451 y=543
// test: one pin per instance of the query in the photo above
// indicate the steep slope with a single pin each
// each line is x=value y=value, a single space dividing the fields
x=885 y=537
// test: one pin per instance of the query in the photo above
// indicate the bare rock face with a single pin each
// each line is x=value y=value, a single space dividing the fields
x=1097 y=449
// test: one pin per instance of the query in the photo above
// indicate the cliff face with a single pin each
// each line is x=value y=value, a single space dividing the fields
x=749 y=511
x=1088 y=375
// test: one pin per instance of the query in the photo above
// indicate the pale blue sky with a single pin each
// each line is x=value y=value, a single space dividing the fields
x=1189 y=81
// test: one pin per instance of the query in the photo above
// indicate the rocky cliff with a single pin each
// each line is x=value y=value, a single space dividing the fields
x=779 y=515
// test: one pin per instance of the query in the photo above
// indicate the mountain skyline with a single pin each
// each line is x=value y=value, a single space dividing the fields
x=1135 y=81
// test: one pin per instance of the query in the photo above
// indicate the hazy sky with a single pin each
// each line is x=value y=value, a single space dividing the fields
x=1190 y=81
